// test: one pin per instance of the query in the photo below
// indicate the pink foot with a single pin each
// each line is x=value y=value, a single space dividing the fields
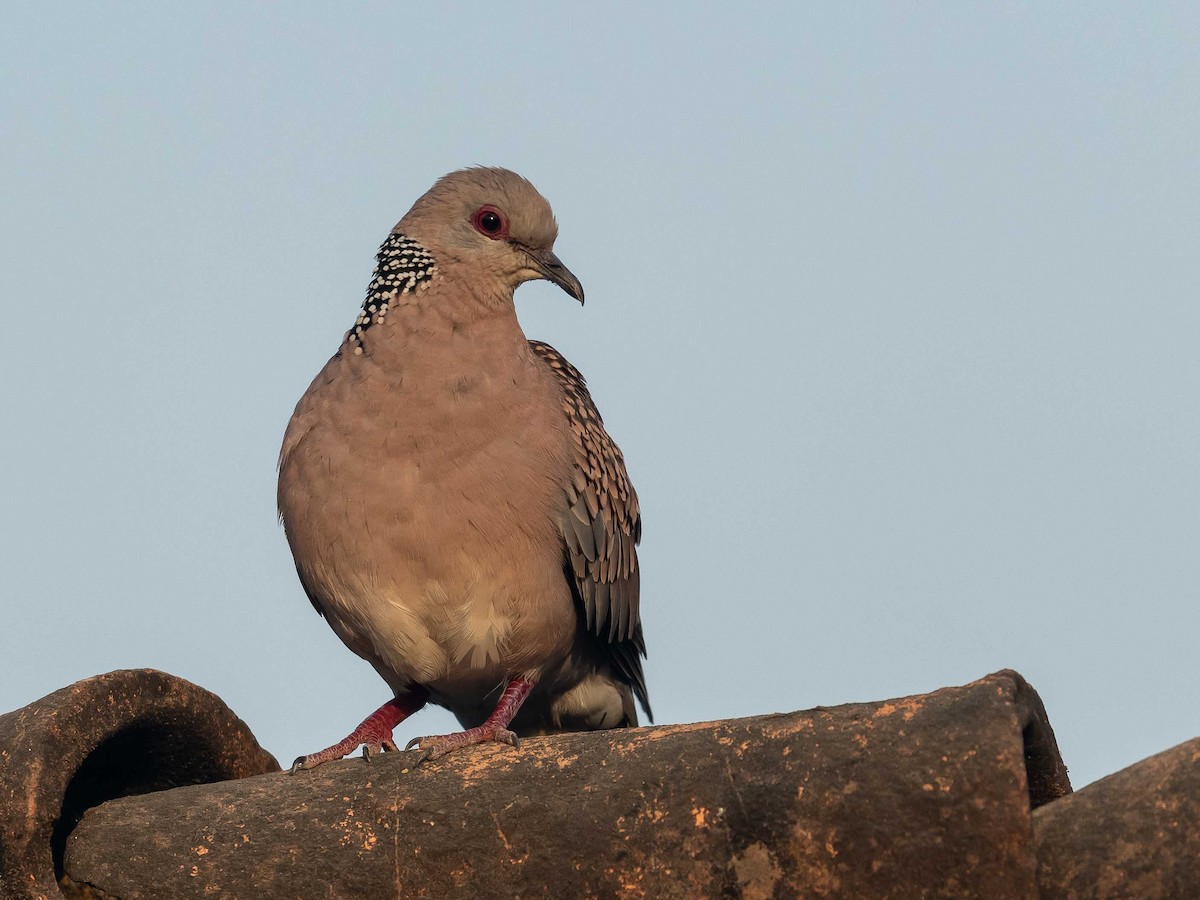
x=439 y=745
x=494 y=729
x=374 y=734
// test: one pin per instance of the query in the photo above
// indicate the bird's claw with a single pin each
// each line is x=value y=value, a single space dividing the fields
x=374 y=734
x=370 y=748
x=435 y=746
x=424 y=752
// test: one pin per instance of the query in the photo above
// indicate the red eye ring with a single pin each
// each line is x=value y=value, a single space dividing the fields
x=491 y=223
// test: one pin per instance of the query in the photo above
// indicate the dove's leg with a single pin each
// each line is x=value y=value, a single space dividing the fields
x=494 y=729
x=374 y=734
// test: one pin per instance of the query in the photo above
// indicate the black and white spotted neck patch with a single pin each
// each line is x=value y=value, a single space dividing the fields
x=402 y=266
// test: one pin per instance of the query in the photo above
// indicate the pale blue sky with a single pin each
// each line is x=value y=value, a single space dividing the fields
x=892 y=307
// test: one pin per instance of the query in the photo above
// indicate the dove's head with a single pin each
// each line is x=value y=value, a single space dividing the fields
x=491 y=227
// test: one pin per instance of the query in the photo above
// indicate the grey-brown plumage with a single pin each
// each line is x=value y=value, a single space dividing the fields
x=602 y=526
x=454 y=505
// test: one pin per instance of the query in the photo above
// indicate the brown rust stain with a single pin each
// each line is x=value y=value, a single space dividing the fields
x=357 y=831
x=653 y=814
x=662 y=731
x=829 y=847
x=790 y=726
x=757 y=872
x=513 y=857
x=814 y=859
x=33 y=775
x=631 y=881
x=488 y=761
x=908 y=708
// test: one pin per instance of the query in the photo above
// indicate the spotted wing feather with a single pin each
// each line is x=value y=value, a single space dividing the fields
x=601 y=526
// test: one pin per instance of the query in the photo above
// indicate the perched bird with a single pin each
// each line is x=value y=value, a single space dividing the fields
x=456 y=509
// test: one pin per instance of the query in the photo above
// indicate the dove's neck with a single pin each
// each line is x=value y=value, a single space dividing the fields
x=450 y=335
x=422 y=310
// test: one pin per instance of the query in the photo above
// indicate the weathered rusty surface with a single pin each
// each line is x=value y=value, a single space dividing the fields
x=924 y=796
x=1044 y=765
x=1132 y=834
x=123 y=733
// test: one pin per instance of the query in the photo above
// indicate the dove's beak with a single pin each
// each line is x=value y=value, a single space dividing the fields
x=552 y=269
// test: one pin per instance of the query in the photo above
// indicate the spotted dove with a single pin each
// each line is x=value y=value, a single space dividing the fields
x=456 y=509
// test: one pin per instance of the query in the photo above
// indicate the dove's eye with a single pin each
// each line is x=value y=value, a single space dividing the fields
x=490 y=222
